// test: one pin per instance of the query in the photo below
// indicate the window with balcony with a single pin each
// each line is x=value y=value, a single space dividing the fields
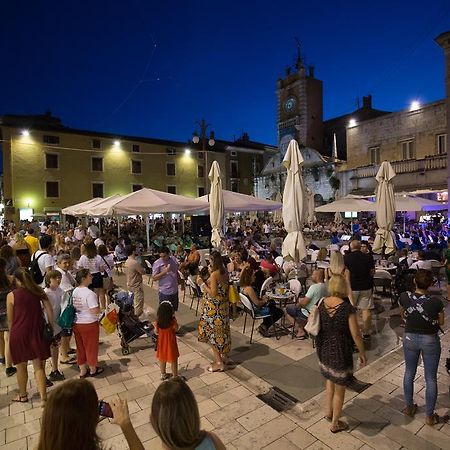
x=233 y=154
x=97 y=164
x=172 y=189
x=170 y=169
x=441 y=141
x=97 y=144
x=234 y=169
x=51 y=161
x=50 y=139
x=201 y=191
x=135 y=148
x=409 y=149
x=374 y=155
x=97 y=190
x=52 y=189
x=136 y=167
x=200 y=171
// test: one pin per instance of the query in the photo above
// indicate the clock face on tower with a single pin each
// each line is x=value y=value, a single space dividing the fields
x=289 y=104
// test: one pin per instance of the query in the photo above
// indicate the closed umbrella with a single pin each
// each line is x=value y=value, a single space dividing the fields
x=277 y=216
x=311 y=207
x=385 y=209
x=295 y=207
x=337 y=214
x=216 y=205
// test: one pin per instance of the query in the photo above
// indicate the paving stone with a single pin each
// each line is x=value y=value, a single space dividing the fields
x=231 y=396
x=230 y=431
x=301 y=438
x=258 y=417
x=282 y=443
x=408 y=439
x=343 y=440
x=19 y=431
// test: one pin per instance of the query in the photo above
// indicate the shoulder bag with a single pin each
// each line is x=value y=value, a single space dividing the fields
x=312 y=327
x=67 y=316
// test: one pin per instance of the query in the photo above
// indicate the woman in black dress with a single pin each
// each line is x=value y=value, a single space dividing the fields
x=334 y=343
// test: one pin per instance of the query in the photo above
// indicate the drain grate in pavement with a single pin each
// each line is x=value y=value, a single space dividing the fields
x=277 y=399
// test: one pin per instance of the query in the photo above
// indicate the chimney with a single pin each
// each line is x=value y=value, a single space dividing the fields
x=288 y=71
x=367 y=102
x=245 y=137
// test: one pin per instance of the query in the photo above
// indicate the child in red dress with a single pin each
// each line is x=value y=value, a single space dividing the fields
x=167 y=348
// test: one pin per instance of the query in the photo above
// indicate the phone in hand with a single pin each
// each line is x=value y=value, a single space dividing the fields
x=104 y=409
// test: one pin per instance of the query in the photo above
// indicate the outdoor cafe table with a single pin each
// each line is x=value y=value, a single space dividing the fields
x=288 y=296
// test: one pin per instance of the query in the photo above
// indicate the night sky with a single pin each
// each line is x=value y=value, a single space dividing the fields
x=152 y=68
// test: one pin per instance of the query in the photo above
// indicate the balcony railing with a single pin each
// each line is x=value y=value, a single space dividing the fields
x=435 y=162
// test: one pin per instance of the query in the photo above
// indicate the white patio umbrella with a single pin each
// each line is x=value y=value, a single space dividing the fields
x=385 y=209
x=311 y=207
x=347 y=204
x=79 y=209
x=277 y=215
x=216 y=206
x=337 y=215
x=238 y=202
x=295 y=207
x=412 y=203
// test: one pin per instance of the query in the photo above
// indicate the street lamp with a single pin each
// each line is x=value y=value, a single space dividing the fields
x=196 y=138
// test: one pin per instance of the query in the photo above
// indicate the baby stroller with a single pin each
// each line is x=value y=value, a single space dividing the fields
x=129 y=326
x=403 y=282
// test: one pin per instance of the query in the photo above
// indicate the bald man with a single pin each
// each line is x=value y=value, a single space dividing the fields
x=362 y=268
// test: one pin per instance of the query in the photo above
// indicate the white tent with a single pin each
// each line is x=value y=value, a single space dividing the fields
x=412 y=203
x=237 y=202
x=79 y=209
x=347 y=204
x=148 y=200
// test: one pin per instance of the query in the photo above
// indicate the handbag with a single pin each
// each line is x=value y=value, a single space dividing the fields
x=67 y=316
x=47 y=331
x=312 y=327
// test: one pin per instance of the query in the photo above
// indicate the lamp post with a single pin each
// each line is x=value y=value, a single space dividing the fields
x=196 y=138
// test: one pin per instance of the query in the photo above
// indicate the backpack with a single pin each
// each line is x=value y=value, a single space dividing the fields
x=35 y=270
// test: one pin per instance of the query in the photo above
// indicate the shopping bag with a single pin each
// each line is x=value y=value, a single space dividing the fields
x=110 y=319
x=312 y=327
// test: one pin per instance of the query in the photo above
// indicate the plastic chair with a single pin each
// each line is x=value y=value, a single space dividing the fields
x=249 y=309
x=196 y=293
x=279 y=261
x=184 y=282
x=265 y=285
x=383 y=278
x=149 y=266
x=296 y=287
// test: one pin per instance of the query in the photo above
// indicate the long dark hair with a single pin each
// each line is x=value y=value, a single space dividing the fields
x=4 y=280
x=90 y=250
x=217 y=263
x=70 y=418
x=28 y=283
x=164 y=316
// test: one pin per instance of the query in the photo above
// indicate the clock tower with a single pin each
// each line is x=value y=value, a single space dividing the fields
x=299 y=107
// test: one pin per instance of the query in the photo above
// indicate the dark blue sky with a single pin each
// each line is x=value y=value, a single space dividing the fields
x=137 y=67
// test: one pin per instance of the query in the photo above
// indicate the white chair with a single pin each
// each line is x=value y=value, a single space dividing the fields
x=296 y=287
x=383 y=278
x=279 y=261
x=265 y=285
x=149 y=266
x=250 y=310
x=196 y=293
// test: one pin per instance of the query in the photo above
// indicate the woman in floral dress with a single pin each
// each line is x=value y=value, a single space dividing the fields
x=214 y=324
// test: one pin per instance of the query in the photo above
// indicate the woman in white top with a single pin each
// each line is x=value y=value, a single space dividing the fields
x=96 y=265
x=86 y=328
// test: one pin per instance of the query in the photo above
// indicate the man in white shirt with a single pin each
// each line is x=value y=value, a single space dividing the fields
x=93 y=230
x=79 y=233
x=44 y=258
x=301 y=310
x=422 y=262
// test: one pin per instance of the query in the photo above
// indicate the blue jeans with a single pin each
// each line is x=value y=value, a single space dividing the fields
x=429 y=345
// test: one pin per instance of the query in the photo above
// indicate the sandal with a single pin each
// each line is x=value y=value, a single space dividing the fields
x=217 y=369
x=341 y=426
x=302 y=337
x=69 y=361
x=85 y=375
x=20 y=399
x=432 y=420
x=410 y=412
x=98 y=371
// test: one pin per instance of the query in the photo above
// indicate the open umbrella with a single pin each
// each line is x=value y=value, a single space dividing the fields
x=277 y=215
x=216 y=206
x=385 y=209
x=347 y=204
x=295 y=207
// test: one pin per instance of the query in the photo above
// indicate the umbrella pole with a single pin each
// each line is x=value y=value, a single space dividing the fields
x=118 y=226
x=147 y=231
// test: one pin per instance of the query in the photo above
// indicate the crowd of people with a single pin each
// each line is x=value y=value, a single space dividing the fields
x=44 y=269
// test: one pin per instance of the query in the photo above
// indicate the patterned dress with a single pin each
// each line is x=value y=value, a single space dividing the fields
x=334 y=343
x=214 y=324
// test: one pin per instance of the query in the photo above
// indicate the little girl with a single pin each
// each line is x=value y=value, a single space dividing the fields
x=54 y=294
x=167 y=348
